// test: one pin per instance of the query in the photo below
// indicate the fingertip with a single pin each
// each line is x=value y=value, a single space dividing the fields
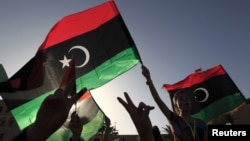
x=126 y=94
x=118 y=98
x=121 y=100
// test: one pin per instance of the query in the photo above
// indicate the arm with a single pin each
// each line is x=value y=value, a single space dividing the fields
x=165 y=110
x=76 y=127
x=140 y=117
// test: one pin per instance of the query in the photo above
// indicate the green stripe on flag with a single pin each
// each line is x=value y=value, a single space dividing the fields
x=110 y=69
x=26 y=113
x=223 y=105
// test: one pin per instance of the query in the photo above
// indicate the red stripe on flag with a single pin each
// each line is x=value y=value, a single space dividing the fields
x=80 y=23
x=196 y=78
x=85 y=96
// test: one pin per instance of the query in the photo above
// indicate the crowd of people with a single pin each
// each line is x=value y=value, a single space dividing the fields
x=183 y=126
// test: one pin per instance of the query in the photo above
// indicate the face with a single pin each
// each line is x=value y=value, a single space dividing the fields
x=183 y=102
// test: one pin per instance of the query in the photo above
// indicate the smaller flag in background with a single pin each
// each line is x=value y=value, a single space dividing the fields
x=85 y=107
x=212 y=92
x=30 y=76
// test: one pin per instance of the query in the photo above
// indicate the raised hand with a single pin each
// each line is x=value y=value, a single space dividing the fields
x=140 y=117
x=52 y=113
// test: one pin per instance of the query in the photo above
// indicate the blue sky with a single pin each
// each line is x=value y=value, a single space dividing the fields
x=173 y=38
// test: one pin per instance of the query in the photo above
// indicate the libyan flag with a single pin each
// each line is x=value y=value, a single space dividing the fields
x=97 y=38
x=99 y=42
x=212 y=92
x=30 y=76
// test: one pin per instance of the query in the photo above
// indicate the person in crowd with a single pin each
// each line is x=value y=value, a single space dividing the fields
x=157 y=133
x=51 y=115
x=183 y=125
x=140 y=117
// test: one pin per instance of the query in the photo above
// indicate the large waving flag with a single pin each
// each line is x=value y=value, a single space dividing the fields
x=99 y=41
x=212 y=92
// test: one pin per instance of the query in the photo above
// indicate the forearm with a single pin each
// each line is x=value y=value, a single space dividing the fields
x=35 y=133
x=163 y=107
x=154 y=93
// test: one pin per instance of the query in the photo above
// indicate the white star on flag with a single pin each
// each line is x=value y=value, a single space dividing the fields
x=65 y=62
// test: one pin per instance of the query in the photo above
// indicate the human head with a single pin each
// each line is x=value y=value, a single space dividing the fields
x=181 y=102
